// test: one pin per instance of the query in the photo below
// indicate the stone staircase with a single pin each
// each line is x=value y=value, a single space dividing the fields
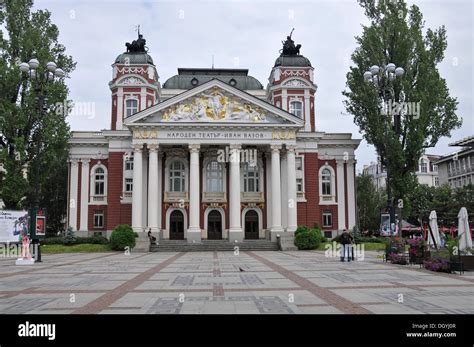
x=213 y=245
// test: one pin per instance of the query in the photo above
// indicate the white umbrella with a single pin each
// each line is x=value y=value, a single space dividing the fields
x=465 y=240
x=434 y=229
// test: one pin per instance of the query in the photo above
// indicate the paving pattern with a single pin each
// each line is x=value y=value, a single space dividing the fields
x=225 y=283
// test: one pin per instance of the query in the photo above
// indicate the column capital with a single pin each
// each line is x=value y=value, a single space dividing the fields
x=194 y=148
x=74 y=162
x=235 y=146
x=153 y=148
x=291 y=148
x=340 y=162
x=85 y=161
x=138 y=148
x=275 y=148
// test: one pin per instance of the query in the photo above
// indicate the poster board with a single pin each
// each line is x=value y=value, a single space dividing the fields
x=12 y=224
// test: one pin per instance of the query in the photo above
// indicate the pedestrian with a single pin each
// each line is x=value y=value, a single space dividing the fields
x=346 y=240
x=151 y=237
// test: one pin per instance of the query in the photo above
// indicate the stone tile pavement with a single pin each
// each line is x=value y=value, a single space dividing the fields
x=221 y=282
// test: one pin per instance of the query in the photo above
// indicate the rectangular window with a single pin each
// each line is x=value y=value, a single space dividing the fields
x=129 y=165
x=436 y=181
x=98 y=219
x=129 y=184
x=424 y=167
x=299 y=163
x=435 y=168
x=131 y=107
x=299 y=185
x=327 y=219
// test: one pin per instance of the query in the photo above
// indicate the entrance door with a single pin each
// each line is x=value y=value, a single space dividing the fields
x=176 y=225
x=214 y=225
x=251 y=225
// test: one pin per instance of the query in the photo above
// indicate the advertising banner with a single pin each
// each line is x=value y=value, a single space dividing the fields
x=12 y=224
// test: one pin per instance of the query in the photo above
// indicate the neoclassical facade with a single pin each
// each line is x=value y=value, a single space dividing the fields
x=211 y=154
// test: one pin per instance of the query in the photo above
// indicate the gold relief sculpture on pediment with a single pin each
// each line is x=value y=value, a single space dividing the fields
x=214 y=106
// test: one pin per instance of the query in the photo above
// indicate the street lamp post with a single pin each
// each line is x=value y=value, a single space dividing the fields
x=39 y=78
x=383 y=78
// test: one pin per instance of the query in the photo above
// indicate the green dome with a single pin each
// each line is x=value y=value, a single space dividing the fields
x=134 y=58
x=292 y=60
x=193 y=77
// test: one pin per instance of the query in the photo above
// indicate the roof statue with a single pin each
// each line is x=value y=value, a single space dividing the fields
x=138 y=45
x=289 y=47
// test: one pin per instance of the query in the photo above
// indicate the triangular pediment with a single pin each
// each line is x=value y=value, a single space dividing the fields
x=214 y=102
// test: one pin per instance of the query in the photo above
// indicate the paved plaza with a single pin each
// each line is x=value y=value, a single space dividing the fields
x=221 y=282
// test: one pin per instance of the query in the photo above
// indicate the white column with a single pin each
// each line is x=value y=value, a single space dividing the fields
x=276 y=192
x=73 y=194
x=160 y=189
x=144 y=193
x=85 y=195
x=341 y=197
x=284 y=100
x=153 y=191
x=119 y=123
x=137 y=219
x=268 y=176
x=307 y=110
x=351 y=194
x=291 y=187
x=284 y=190
x=235 y=227
x=194 y=229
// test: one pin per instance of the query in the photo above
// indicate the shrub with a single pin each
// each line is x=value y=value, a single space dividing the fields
x=122 y=236
x=437 y=264
x=301 y=229
x=70 y=237
x=58 y=240
x=309 y=239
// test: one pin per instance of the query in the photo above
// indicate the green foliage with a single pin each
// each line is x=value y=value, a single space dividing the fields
x=28 y=34
x=301 y=229
x=122 y=236
x=396 y=34
x=70 y=237
x=370 y=202
x=308 y=239
x=443 y=199
x=99 y=240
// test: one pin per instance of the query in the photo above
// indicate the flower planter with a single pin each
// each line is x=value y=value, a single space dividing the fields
x=468 y=261
x=456 y=266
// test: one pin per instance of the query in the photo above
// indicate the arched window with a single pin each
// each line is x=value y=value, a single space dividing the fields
x=214 y=177
x=177 y=176
x=131 y=107
x=296 y=108
x=326 y=182
x=251 y=178
x=99 y=182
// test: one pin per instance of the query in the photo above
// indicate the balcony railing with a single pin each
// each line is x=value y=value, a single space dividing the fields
x=214 y=197
x=176 y=196
x=252 y=197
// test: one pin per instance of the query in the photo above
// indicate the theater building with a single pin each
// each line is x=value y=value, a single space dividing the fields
x=212 y=154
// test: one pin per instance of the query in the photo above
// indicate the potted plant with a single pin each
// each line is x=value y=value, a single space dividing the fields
x=455 y=261
x=417 y=252
x=395 y=245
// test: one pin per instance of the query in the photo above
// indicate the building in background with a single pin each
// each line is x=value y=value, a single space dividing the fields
x=457 y=169
x=427 y=172
x=211 y=154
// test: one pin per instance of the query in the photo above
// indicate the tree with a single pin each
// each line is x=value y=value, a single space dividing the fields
x=27 y=35
x=370 y=201
x=395 y=35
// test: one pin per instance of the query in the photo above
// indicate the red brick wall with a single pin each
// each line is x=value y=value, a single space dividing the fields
x=114 y=190
x=311 y=212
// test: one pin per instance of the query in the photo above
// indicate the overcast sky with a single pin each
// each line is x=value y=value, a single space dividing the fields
x=247 y=34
